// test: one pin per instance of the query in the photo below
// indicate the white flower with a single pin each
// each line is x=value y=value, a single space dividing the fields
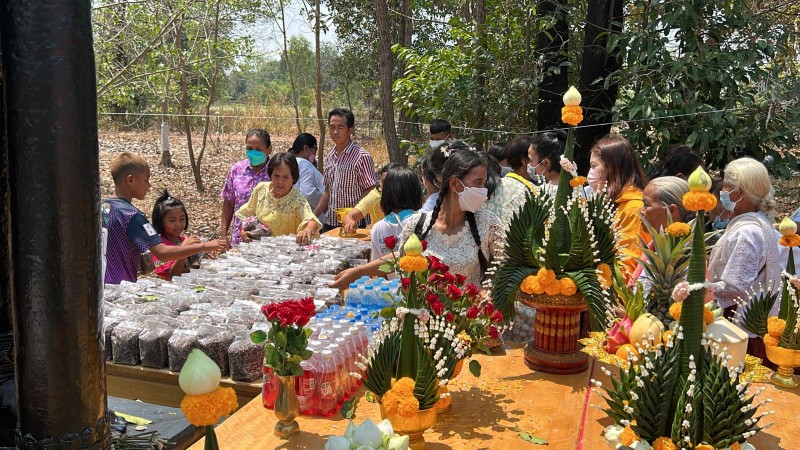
x=337 y=443
x=397 y=442
x=367 y=434
x=386 y=427
x=641 y=445
x=200 y=374
x=350 y=431
x=366 y=447
x=611 y=434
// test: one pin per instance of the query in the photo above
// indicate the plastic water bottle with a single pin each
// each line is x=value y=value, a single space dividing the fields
x=368 y=299
x=353 y=297
x=383 y=300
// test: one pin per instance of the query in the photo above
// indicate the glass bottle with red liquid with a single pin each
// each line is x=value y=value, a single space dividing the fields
x=305 y=385
x=269 y=390
x=326 y=385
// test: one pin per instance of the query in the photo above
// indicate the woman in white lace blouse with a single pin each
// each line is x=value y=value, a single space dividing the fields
x=746 y=257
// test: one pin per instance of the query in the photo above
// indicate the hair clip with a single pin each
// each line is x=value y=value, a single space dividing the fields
x=446 y=150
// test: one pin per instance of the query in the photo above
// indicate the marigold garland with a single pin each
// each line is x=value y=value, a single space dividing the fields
x=696 y=201
x=572 y=115
x=409 y=263
x=207 y=409
x=604 y=277
x=790 y=241
x=628 y=436
x=664 y=443
x=577 y=182
x=775 y=326
x=678 y=229
x=770 y=340
x=675 y=311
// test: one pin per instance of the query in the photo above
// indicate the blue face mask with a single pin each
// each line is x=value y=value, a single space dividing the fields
x=725 y=201
x=256 y=157
x=720 y=224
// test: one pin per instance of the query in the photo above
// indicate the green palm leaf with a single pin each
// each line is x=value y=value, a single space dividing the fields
x=754 y=319
x=379 y=373
x=589 y=286
x=426 y=386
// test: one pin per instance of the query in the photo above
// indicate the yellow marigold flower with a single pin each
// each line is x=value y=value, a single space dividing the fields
x=546 y=277
x=790 y=241
x=408 y=407
x=577 y=182
x=572 y=115
x=404 y=387
x=568 y=286
x=679 y=229
x=664 y=443
x=770 y=340
x=628 y=436
x=708 y=316
x=736 y=446
x=207 y=409
x=604 y=277
x=704 y=447
x=409 y=263
x=675 y=311
x=553 y=288
x=531 y=285
x=390 y=402
x=775 y=326
x=698 y=200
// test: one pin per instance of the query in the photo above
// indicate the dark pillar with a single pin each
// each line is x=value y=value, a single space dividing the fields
x=51 y=121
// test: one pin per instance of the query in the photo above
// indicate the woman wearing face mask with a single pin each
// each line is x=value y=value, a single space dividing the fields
x=310 y=182
x=514 y=188
x=544 y=159
x=615 y=169
x=241 y=179
x=746 y=257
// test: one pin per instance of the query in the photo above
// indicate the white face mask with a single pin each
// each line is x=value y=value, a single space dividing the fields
x=594 y=178
x=435 y=144
x=471 y=198
x=532 y=171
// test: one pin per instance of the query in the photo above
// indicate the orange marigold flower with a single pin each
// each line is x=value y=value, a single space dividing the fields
x=664 y=443
x=708 y=316
x=790 y=241
x=410 y=263
x=736 y=446
x=553 y=288
x=604 y=277
x=675 y=311
x=390 y=402
x=527 y=285
x=572 y=115
x=628 y=436
x=408 y=407
x=577 y=182
x=704 y=447
x=546 y=277
x=404 y=387
x=568 y=286
x=775 y=326
x=696 y=201
x=207 y=409
x=770 y=340
x=679 y=229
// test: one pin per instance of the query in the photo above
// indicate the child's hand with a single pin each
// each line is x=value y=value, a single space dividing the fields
x=217 y=245
x=349 y=225
x=189 y=241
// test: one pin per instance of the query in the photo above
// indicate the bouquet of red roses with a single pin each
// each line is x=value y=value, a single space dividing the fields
x=286 y=344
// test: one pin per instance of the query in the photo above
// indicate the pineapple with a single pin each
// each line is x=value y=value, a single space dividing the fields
x=664 y=267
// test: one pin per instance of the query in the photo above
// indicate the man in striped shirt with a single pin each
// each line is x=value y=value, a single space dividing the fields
x=349 y=169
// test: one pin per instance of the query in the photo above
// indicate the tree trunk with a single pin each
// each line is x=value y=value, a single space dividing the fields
x=318 y=90
x=480 y=113
x=603 y=16
x=187 y=125
x=396 y=155
x=212 y=84
x=406 y=32
x=295 y=101
x=551 y=43
x=166 y=156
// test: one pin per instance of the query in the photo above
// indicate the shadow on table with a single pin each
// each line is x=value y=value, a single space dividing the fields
x=476 y=414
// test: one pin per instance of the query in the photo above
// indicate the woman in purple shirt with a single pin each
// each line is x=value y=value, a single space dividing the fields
x=241 y=179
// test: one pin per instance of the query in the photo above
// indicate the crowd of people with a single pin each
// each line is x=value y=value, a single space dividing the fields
x=460 y=202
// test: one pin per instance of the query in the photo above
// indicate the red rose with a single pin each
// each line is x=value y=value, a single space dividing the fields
x=436 y=265
x=453 y=292
x=460 y=279
x=493 y=333
x=488 y=309
x=450 y=317
x=471 y=289
x=437 y=308
x=405 y=282
x=391 y=242
x=432 y=297
x=424 y=244
x=449 y=277
x=472 y=312
x=302 y=321
x=497 y=317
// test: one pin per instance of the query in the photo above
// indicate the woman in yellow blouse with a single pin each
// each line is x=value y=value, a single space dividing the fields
x=278 y=205
x=615 y=168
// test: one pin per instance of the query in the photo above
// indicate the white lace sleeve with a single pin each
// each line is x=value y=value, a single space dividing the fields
x=745 y=261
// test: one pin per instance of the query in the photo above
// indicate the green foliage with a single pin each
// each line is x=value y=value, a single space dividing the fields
x=754 y=318
x=286 y=347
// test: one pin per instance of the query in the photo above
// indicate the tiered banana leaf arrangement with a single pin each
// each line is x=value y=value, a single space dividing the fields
x=572 y=234
x=682 y=395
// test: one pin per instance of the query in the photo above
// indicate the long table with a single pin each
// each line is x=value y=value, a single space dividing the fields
x=490 y=412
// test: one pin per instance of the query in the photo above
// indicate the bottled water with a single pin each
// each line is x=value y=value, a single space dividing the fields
x=353 y=298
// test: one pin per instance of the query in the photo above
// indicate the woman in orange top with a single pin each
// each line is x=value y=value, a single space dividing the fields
x=615 y=168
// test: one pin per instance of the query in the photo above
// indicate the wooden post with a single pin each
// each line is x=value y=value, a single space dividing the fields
x=53 y=181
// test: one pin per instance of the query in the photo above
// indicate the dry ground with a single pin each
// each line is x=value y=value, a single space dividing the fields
x=205 y=207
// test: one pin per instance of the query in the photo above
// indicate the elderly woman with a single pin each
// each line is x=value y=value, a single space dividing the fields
x=746 y=258
x=278 y=205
